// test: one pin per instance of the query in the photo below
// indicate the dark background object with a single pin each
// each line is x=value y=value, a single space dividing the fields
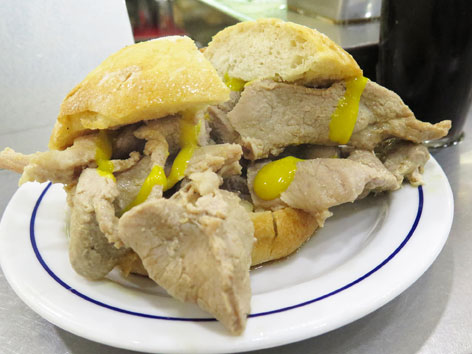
x=367 y=57
x=425 y=55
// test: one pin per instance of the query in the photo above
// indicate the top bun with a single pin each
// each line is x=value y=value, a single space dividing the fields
x=143 y=81
x=278 y=50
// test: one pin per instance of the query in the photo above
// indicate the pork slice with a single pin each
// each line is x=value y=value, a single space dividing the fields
x=221 y=129
x=197 y=245
x=126 y=142
x=130 y=181
x=91 y=253
x=170 y=129
x=237 y=184
x=222 y=159
x=55 y=166
x=382 y=180
x=126 y=164
x=406 y=159
x=320 y=184
x=14 y=161
x=309 y=152
x=270 y=116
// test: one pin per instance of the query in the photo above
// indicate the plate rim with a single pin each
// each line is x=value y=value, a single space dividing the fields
x=385 y=300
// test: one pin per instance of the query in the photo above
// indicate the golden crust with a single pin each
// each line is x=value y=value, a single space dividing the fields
x=280 y=233
x=274 y=49
x=143 y=81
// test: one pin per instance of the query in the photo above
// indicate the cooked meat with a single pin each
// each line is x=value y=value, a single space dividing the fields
x=14 y=161
x=237 y=184
x=309 y=152
x=170 y=128
x=384 y=180
x=222 y=130
x=222 y=159
x=130 y=182
x=70 y=192
x=270 y=116
x=90 y=252
x=157 y=148
x=407 y=159
x=124 y=165
x=320 y=184
x=55 y=166
x=204 y=134
x=131 y=263
x=197 y=245
x=60 y=166
x=126 y=142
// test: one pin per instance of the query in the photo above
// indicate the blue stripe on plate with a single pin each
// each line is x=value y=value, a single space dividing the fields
x=205 y=319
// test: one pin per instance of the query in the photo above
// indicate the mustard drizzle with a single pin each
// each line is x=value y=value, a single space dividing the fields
x=345 y=115
x=103 y=152
x=233 y=83
x=157 y=176
x=275 y=177
x=189 y=133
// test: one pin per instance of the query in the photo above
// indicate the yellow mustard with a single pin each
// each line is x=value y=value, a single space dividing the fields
x=188 y=143
x=275 y=177
x=234 y=83
x=103 y=153
x=157 y=176
x=344 y=117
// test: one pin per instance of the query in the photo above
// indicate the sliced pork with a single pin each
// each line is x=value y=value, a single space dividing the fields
x=221 y=158
x=320 y=184
x=222 y=130
x=270 y=116
x=60 y=166
x=90 y=252
x=407 y=160
x=197 y=245
x=55 y=166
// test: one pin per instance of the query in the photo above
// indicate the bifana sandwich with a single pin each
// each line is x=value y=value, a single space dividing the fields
x=191 y=167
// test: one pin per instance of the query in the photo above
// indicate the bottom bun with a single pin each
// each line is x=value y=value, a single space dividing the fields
x=278 y=234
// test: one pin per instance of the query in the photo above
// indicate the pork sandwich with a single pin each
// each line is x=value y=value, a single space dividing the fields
x=131 y=145
x=190 y=174
x=297 y=101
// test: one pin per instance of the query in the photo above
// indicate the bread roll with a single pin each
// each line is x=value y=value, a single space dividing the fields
x=280 y=233
x=143 y=81
x=278 y=50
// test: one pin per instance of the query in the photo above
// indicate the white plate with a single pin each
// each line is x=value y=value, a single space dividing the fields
x=368 y=253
